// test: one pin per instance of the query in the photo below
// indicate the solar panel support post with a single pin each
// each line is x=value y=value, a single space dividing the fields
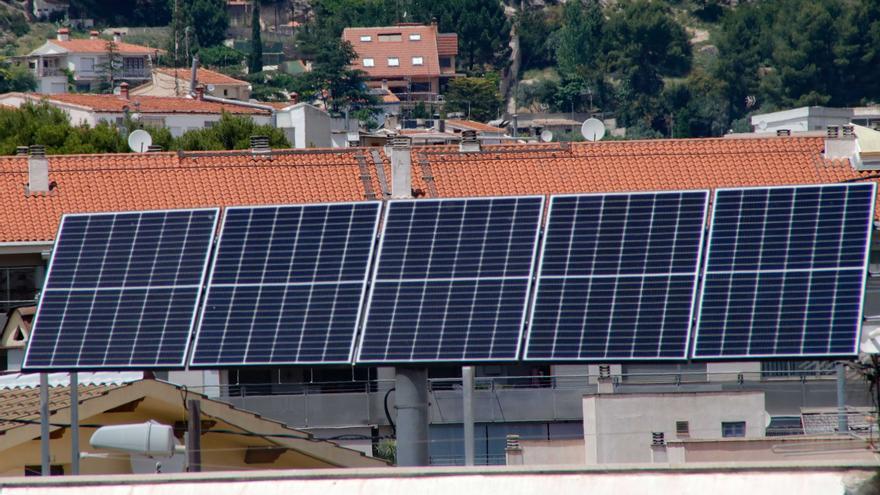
x=467 y=402
x=411 y=403
x=74 y=423
x=45 y=465
x=842 y=423
x=194 y=436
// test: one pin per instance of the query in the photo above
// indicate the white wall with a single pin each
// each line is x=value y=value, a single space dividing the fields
x=305 y=126
x=618 y=427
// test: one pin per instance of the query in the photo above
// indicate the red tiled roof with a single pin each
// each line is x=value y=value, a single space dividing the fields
x=204 y=76
x=473 y=125
x=100 y=46
x=148 y=104
x=404 y=50
x=447 y=44
x=167 y=180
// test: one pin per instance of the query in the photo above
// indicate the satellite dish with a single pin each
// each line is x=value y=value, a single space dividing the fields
x=210 y=88
x=139 y=140
x=546 y=136
x=593 y=129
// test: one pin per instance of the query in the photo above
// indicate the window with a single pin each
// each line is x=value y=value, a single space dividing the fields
x=415 y=37
x=17 y=287
x=682 y=429
x=88 y=64
x=393 y=62
x=54 y=470
x=368 y=62
x=445 y=62
x=391 y=37
x=366 y=38
x=733 y=429
x=418 y=61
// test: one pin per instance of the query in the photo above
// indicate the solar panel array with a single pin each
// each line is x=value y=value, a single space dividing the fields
x=122 y=290
x=618 y=276
x=287 y=285
x=785 y=271
x=452 y=280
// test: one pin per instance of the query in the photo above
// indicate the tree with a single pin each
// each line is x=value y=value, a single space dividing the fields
x=209 y=21
x=581 y=49
x=111 y=69
x=476 y=97
x=222 y=57
x=739 y=57
x=231 y=132
x=333 y=81
x=16 y=78
x=49 y=126
x=255 y=60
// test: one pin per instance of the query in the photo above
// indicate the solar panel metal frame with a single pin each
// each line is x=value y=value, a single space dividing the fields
x=364 y=285
x=697 y=274
x=196 y=306
x=705 y=270
x=528 y=295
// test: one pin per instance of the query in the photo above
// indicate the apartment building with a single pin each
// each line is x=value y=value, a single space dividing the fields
x=87 y=62
x=413 y=61
x=534 y=401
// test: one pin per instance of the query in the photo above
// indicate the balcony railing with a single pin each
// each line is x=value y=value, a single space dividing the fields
x=49 y=72
x=134 y=74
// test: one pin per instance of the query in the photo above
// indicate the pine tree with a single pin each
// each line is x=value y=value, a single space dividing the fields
x=255 y=60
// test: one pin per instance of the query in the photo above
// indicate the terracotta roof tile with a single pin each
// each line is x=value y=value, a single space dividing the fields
x=204 y=76
x=404 y=50
x=23 y=404
x=473 y=125
x=147 y=104
x=100 y=46
x=447 y=44
x=165 y=180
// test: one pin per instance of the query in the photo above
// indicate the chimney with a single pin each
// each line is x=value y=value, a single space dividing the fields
x=513 y=451
x=93 y=35
x=658 y=447
x=123 y=90
x=63 y=34
x=840 y=142
x=21 y=151
x=605 y=382
x=260 y=145
x=117 y=36
x=38 y=170
x=469 y=142
x=294 y=97
x=783 y=132
x=154 y=148
x=200 y=92
x=385 y=84
x=401 y=167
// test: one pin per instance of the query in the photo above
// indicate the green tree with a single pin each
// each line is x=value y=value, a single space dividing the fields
x=581 y=54
x=49 y=126
x=537 y=43
x=111 y=68
x=209 y=21
x=255 y=60
x=739 y=57
x=16 y=78
x=333 y=81
x=476 y=97
x=866 y=20
x=222 y=57
x=231 y=132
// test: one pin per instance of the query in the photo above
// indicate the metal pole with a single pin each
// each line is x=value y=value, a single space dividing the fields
x=467 y=402
x=842 y=426
x=194 y=436
x=74 y=423
x=411 y=403
x=45 y=465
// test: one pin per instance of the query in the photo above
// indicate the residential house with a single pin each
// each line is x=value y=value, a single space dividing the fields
x=177 y=82
x=46 y=9
x=537 y=402
x=177 y=114
x=304 y=125
x=814 y=119
x=487 y=134
x=232 y=439
x=411 y=60
x=87 y=62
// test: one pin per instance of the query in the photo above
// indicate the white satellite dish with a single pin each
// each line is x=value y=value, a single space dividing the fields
x=210 y=88
x=546 y=136
x=139 y=140
x=593 y=129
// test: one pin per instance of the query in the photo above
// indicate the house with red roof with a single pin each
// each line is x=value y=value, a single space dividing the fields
x=167 y=81
x=87 y=61
x=413 y=61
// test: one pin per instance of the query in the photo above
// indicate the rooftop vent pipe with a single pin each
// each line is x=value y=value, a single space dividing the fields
x=401 y=167
x=783 y=132
x=21 y=151
x=469 y=142
x=260 y=145
x=38 y=170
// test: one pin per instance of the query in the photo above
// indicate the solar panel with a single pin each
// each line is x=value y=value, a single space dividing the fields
x=287 y=285
x=617 y=277
x=452 y=280
x=122 y=290
x=785 y=272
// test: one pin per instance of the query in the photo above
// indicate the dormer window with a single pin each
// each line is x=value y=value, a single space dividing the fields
x=393 y=62
x=391 y=37
x=366 y=38
x=415 y=37
x=418 y=61
x=368 y=62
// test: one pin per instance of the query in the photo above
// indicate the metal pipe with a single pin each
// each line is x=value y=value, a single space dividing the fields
x=842 y=423
x=193 y=78
x=467 y=394
x=194 y=436
x=45 y=465
x=74 y=423
x=411 y=398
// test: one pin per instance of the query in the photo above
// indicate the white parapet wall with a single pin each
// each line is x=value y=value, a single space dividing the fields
x=717 y=479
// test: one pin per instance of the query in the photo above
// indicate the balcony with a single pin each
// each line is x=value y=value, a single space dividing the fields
x=48 y=72
x=134 y=74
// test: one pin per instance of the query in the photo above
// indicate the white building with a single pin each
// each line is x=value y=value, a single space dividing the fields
x=177 y=114
x=167 y=81
x=304 y=125
x=811 y=119
x=43 y=9
x=88 y=62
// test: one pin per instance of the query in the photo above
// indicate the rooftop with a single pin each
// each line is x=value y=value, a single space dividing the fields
x=204 y=76
x=91 y=46
x=121 y=182
x=403 y=43
x=142 y=104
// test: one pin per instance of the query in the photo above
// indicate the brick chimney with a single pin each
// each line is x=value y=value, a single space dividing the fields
x=200 y=92
x=93 y=35
x=38 y=170
x=123 y=90
x=469 y=142
x=63 y=34
x=117 y=36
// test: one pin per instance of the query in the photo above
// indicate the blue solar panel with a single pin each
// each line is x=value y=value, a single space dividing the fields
x=122 y=290
x=452 y=280
x=617 y=277
x=785 y=272
x=287 y=285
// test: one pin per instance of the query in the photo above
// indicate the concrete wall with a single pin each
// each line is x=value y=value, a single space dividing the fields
x=772 y=449
x=548 y=452
x=305 y=126
x=618 y=427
